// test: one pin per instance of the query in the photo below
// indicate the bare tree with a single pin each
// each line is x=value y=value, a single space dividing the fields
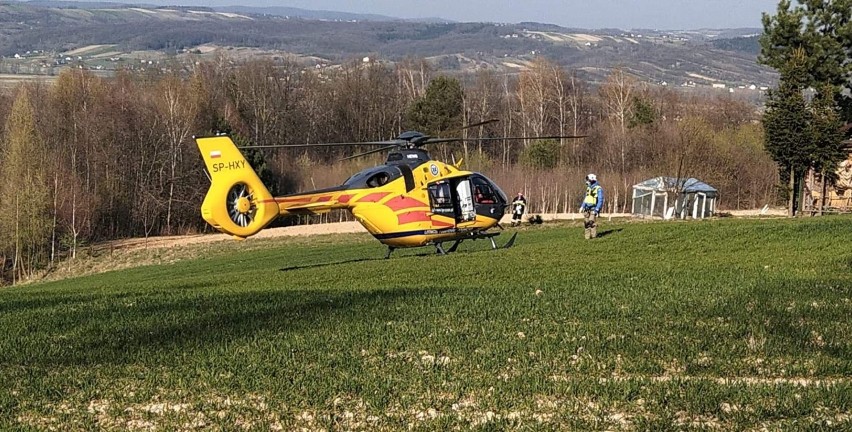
x=617 y=95
x=414 y=76
x=534 y=88
x=177 y=111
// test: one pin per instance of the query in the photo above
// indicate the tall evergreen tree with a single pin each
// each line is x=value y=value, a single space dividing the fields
x=440 y=109
x=827 y=138
x=643 y=113
x=786 y=126
x=823 y=29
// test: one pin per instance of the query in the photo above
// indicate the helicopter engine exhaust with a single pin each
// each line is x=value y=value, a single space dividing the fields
x=237 y=202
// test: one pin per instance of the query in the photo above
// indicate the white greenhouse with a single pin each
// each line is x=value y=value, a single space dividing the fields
x=669 y=197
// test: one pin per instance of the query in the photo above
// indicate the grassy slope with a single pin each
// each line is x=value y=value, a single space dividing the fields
x=735 y=324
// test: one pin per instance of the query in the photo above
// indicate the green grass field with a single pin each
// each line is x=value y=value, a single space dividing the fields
x=729 y=324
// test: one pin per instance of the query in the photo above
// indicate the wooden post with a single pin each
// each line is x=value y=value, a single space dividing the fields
x=791 y=210
x=633 y=203
x=822 y=196
x=653 y=201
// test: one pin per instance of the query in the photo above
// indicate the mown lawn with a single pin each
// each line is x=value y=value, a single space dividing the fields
x=729 y=324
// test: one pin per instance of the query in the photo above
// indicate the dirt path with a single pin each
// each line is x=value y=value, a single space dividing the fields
x=300 y=230
x=339 y=228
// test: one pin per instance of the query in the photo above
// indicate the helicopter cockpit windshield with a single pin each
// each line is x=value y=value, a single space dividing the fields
x=484 y=191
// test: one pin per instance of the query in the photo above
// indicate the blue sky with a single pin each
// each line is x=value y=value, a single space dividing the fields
x=661 y=14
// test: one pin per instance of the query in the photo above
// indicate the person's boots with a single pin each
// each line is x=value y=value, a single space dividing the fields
x=593 y=232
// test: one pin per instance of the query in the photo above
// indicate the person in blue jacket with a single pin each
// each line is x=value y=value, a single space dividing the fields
x=592 y=205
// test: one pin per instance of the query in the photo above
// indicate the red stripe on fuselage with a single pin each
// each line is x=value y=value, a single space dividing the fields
x=415 y=216
x=440 y=224
x=398 y=203
x=373 y=197
x=294 y=200
x=343 y=199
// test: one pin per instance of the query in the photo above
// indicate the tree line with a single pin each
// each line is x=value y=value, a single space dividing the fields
x=88 y=159
x=810 y=44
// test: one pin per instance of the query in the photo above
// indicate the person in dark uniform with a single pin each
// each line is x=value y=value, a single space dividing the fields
x=519 y=207
x=592 y=204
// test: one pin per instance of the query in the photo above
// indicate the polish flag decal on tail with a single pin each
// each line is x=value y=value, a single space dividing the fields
x=215 y=154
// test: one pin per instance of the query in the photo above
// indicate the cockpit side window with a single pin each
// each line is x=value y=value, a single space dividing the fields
x=378 y=179
x=482 y=192
x=374 y=177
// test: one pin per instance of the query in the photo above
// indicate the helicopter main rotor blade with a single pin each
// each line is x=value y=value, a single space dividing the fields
x=341 y=144
x=365 y=143
x=472 y=125
x=446 y=140
x=378 y=150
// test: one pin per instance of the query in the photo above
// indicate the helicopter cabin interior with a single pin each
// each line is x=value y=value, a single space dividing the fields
x=462 y=198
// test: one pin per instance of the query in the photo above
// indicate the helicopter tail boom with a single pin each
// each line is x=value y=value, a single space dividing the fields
x=237 y=202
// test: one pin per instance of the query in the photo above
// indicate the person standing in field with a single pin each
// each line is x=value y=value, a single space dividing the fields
x=592 y=205
x=519 y=207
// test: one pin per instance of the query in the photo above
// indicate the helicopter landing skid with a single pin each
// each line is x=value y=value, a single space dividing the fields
x=439 y=246
x=477 y=236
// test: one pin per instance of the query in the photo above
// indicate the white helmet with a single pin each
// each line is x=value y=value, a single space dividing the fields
x=592 y=177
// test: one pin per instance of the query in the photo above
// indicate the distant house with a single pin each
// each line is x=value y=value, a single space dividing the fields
x=838 y=197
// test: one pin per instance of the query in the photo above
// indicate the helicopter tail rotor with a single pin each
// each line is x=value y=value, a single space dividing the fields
x=237 y=202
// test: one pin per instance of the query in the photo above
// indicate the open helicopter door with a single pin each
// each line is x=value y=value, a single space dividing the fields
x=467 y=212
x=452 y=198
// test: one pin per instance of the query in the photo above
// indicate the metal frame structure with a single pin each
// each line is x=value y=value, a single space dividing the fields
x=690 y=197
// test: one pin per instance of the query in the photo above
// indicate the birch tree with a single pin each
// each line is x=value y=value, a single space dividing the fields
x=24 y=192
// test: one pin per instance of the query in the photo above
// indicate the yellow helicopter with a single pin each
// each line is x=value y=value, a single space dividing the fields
x=411 y=200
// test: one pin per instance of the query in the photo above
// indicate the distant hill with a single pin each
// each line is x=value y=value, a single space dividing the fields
x=305 y=13
x=281 y=11
x=324 y=15
x=748 y=44
x=714 y=34
x=82 y=4
x=672 y=57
